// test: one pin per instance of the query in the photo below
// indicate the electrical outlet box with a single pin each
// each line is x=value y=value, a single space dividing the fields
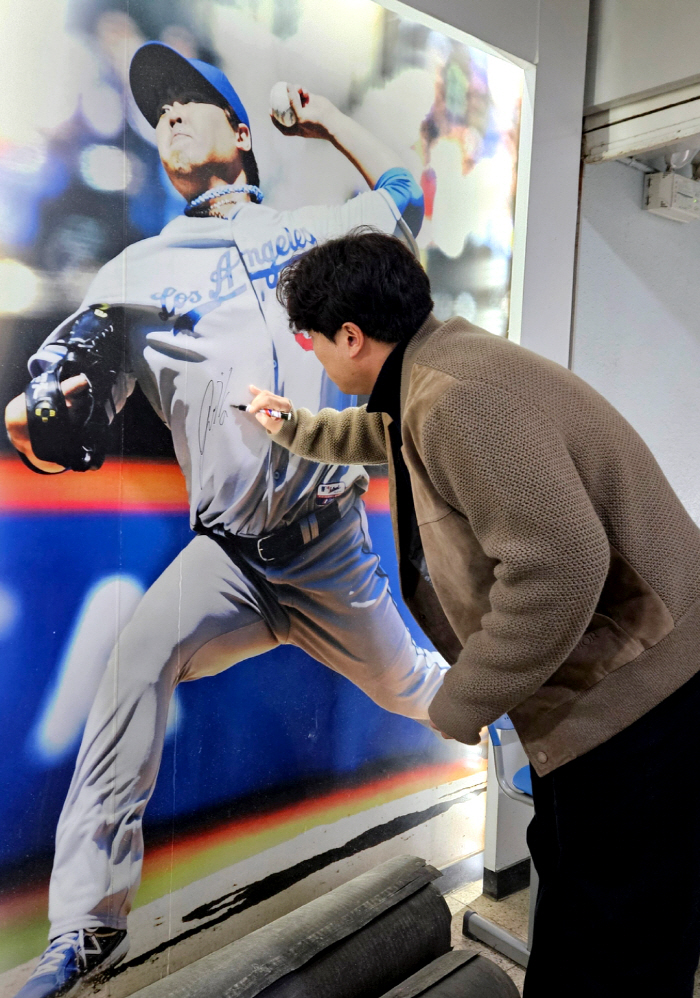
x=672 y=196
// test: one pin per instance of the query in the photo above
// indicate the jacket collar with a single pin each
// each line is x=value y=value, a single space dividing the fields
x=415 y=345
x=389 y=392
x=386 y=394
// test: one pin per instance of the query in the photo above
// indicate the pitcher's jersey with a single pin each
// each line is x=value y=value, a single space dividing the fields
x=204 y=324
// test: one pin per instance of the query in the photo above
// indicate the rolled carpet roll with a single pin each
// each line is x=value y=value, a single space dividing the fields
x=460 y=974
x=376 y=957
x=290 y=945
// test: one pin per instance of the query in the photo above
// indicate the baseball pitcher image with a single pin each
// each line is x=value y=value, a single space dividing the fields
x=281 y=552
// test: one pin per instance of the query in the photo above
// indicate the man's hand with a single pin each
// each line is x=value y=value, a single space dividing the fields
x=266 y=400
x=317 y=118
x=18 y=431
x=313 y=113
x=448 y=738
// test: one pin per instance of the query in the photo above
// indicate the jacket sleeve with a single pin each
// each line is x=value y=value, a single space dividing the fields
x=346 y=436
x=503 y=465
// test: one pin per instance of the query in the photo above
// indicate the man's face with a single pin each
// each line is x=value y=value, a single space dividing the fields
x=196 y=141
x=332 y=359
x=351 y=360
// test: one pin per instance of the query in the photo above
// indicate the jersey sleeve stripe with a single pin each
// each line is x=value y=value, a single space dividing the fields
x=406 y=194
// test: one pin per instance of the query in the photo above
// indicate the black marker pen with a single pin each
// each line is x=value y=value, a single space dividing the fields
x=275 y=413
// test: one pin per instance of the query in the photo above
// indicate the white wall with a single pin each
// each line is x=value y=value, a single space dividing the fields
x=510 y=25
x=641 y=47
x=637 y=320
x=554 y=178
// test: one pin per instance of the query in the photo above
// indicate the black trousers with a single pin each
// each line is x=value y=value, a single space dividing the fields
x=616 y=843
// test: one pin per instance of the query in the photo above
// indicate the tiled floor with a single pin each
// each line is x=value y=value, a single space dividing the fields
x=511 y=914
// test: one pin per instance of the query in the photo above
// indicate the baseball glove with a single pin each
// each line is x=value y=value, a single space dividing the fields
x=75 y=435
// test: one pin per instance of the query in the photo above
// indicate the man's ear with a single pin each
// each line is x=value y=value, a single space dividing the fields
x=243 y=139
x=355 y=339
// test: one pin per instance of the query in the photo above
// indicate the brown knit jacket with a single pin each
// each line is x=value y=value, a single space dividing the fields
x=567 y=570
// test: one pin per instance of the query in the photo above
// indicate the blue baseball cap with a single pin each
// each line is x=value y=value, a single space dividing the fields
x=156 y=69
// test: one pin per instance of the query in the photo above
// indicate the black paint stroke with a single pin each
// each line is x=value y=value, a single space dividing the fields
x=253 y=894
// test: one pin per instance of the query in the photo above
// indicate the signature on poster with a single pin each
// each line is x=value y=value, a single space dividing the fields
x=211 y=411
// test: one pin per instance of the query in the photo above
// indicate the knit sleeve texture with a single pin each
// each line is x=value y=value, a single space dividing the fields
x=348 y=436
x=502 y=464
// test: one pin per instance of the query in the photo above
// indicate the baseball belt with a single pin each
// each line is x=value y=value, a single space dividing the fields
x=284 y=543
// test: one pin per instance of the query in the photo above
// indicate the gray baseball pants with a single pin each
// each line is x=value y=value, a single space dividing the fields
x=204 y=614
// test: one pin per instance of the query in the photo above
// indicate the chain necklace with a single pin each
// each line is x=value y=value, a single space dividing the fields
x=200 y=206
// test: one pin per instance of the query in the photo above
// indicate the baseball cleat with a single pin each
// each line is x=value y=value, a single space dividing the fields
x=74 y=959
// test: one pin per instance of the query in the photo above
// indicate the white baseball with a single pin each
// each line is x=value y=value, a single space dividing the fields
x=280 y=105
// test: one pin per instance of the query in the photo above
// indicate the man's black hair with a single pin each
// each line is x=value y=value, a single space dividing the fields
x=365 y=277
x=190 y=96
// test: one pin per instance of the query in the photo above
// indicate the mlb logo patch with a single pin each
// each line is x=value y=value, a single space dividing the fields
x=328 y=492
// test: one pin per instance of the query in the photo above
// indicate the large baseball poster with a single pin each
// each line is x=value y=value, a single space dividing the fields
x=213 y=702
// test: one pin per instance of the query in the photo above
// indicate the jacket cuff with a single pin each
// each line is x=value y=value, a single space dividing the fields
x=452 y=718
x=285 y=436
